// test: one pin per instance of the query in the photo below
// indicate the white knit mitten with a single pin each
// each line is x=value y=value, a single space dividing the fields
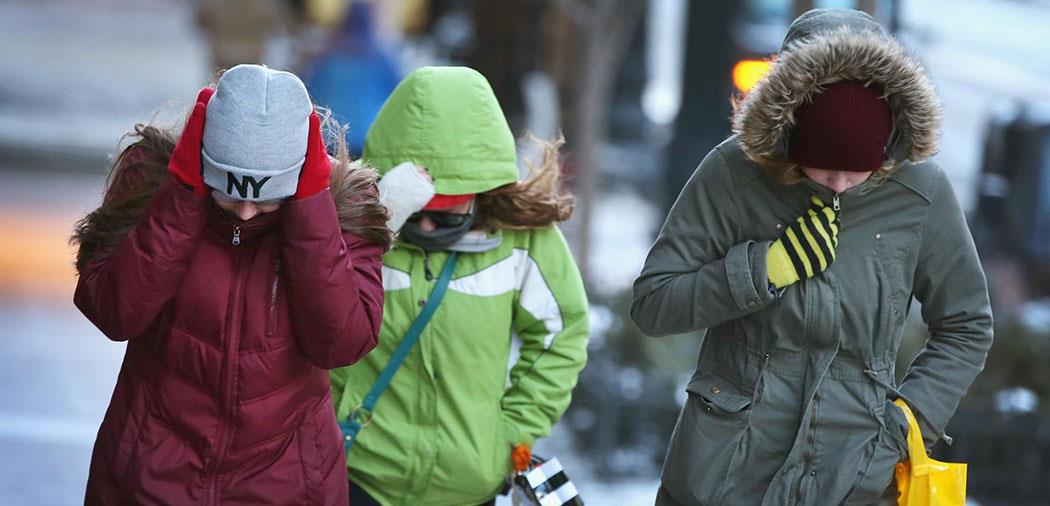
x=405 y=192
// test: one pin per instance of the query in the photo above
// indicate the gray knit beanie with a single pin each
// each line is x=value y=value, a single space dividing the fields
x=255 y=133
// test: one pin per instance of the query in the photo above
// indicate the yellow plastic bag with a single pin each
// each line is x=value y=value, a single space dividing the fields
x=923 y=481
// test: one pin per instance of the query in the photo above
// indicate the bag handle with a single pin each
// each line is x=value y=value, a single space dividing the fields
x=921 y=463
x=361 y=415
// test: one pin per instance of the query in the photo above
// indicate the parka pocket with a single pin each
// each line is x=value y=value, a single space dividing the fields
x=309 y=453
x=893 y=294
x=321 y=454
x=878 y=474
x=897 y=426
x=126 y=451
x=498 y=463
x=709 y=440
x=720 y=400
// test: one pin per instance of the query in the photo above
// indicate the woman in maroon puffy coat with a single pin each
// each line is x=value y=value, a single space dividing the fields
x=234 y=299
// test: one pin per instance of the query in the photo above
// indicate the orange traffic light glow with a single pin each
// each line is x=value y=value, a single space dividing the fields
x=747 y=73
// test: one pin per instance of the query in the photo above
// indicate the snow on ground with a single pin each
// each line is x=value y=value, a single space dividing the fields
x=57 y=373
x=624 y=225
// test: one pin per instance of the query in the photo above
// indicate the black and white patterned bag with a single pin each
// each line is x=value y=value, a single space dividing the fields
x=545 y=484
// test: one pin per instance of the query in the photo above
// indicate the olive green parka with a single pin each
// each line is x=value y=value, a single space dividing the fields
x=790 y=401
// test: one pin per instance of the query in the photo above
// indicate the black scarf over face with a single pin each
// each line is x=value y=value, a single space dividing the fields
x=440 y=238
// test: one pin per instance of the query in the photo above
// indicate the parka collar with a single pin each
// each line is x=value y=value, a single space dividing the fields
x=827 y=194
x=475 y=241
x=226 y=226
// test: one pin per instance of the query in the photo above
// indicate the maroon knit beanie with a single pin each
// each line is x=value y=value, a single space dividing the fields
x=845 y=127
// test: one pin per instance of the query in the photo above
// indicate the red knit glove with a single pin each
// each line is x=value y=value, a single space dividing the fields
x=317 y=169
x=185 y=162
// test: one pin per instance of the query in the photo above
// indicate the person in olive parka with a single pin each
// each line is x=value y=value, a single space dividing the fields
x=797 y=246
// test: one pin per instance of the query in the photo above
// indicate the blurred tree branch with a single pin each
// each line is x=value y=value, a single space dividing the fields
x=580 y=12
x=580 y=45
x=605 y=28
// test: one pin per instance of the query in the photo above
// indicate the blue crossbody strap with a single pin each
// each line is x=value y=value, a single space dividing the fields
x=361 y=416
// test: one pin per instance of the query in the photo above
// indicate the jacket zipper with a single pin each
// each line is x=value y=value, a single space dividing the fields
x=760 y=383
x=835 y=203
x=271 y=327
x=426 y=266
x=233 y=343
x=236 y=236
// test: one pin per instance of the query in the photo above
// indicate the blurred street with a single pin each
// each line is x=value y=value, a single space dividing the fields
x=978 y=68
x=76 y=76
x=56 y=369
x=79 y=74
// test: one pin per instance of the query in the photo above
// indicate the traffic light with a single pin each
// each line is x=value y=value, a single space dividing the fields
x=747 y=73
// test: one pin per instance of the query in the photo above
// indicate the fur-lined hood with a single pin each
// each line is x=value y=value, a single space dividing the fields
x=142 y=167
x=824 y=46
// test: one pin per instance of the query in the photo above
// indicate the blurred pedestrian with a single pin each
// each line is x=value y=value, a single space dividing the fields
x=239 y=263
x=244 y=30
x=797 y=247
x=442 y=433
x=354 y=75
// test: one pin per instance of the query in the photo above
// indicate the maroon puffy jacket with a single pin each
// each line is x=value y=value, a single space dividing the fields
x=223 y=396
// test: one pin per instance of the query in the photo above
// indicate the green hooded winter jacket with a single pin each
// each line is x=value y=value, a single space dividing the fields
x=442 y=432
x=789 y=403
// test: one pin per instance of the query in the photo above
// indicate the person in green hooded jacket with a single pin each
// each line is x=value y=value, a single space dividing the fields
x=442 y=432
x=797 y=246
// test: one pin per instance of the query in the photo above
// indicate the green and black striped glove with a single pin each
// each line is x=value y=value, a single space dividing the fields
x=806 y=248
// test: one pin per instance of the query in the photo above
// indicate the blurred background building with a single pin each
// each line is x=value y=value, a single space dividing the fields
x=641 y=90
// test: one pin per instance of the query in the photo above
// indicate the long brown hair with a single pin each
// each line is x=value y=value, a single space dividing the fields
x=534 y=202
x=142 y=166
x=136 y=173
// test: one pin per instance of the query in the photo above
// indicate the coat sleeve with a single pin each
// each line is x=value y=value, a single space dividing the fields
x=123 y=293
x=550 y=319
x=335 y=290
x=950 y=284
x=698 y=273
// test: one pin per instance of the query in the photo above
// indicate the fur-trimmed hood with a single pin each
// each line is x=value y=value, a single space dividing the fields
x=824 y=46
x=142 y=167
